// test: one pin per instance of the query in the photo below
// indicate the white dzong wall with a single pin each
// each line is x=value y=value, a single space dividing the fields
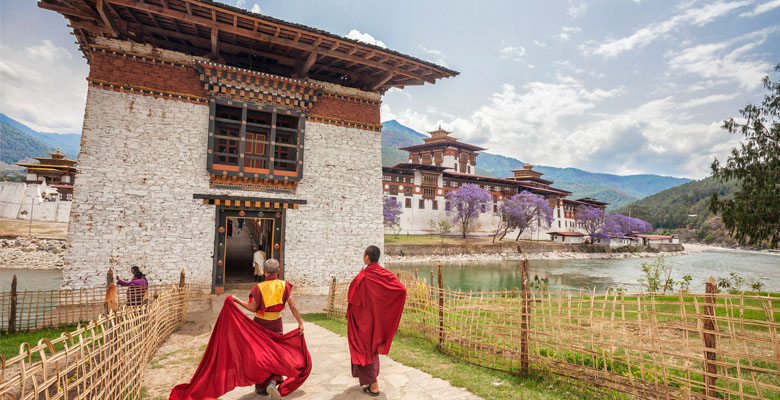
x=143 y=158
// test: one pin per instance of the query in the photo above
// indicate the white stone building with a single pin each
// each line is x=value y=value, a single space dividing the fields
x=225 y=117
x=443 y=163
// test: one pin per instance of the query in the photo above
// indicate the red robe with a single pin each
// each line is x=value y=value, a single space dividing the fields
x=241 y=353
x=376 y=300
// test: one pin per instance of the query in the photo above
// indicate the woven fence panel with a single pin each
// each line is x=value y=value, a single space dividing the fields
x=104 y=358
x=660 y=345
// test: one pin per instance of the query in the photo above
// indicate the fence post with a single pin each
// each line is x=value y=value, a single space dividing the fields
x=111 y=302
x=710 y=340
x=181 y=279
x=441 y=307
x=525 y=318
x=12 y=315
x=415 y=274
x=331 y=296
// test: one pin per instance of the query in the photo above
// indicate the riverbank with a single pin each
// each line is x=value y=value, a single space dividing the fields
x=32 y=253
x=514 y=251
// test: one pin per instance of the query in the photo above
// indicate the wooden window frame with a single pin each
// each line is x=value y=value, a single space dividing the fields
x=248 y=172
x=408 y=203
x=421 y=204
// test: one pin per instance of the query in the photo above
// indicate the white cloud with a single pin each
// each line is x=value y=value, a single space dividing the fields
x=693 y=16
x=438 y=56
x=762 y=8
x=540 y=43
x=727 y=61
x=256 y=8
x=240 y=3
x=577 y=8
x=43 y=87
x=558 y=123
x=365 y=38
x=514 y=52
x=566 y=33
x=714 y=98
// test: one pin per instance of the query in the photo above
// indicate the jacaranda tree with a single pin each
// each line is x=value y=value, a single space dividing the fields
x=753 y=215
x=591 y=219
x=391 y=212
x=527 y=210
x=466 y=204
x=627 y=224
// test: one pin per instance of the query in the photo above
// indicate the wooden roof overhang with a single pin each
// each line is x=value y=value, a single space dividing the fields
x=240 y=38
x=422 y=167
x=531 y=178
x=429 y=146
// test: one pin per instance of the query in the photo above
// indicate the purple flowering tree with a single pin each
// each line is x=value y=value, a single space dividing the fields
x=526 y=210
x=628 y=224
x=592 y=220
x=391 y=213
x=466 y=203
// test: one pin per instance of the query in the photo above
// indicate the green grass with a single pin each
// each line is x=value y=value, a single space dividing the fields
x=9 y=344
x=484 y=382
x=420 y=239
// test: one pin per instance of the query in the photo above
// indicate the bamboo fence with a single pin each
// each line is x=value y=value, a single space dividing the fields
x=643 y=345
x=33 y=310
x=104 y=358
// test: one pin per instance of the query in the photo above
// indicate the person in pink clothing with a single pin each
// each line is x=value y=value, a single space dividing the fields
x=137 y=287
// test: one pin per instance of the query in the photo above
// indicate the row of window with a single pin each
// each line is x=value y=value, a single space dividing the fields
x=395 y=178
x=251 y=140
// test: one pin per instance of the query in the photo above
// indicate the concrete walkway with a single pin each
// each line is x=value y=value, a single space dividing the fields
x=331 y=378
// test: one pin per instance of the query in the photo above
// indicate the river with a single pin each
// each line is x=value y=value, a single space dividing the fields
x=603 y=273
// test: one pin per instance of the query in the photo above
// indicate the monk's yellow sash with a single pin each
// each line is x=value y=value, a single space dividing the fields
x=273 y=294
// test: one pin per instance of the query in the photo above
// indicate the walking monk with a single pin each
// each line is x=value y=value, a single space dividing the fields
x=242 y=352
x=376 y=300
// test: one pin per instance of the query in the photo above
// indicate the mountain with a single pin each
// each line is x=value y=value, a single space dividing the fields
x=683 y=206
x=16 y=144
x=617 y=190
x=68 y=143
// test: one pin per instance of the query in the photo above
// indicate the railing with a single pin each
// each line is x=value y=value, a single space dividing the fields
x=645 y=345
x=104 y=358
x=39 y=309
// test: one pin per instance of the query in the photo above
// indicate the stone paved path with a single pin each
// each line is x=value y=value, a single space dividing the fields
x=331 y=379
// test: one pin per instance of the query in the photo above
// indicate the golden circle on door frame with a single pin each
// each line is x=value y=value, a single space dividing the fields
x=221 y=229
x=241 y=213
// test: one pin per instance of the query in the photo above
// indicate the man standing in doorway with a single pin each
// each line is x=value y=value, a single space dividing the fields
x=267 y=300
x=258 y=259
x=376 y=300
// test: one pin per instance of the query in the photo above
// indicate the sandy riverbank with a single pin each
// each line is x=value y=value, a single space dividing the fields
x=32 y=253
x=553 y=255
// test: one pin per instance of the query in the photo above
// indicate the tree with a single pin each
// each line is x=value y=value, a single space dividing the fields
x=391 y=214
x=525 y=210
x=591 y=219
x=466 y=203
x=753 y=214
x=442 y=228
x=627 y=224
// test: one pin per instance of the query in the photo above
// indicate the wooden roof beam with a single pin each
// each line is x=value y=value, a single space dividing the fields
x=303 y=71
x=260 y=36
x=214 y=43
x=381 y=81
x=67 y=11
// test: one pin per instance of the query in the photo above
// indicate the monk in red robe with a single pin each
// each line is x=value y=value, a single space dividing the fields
x=376 y=300
x=267 y=300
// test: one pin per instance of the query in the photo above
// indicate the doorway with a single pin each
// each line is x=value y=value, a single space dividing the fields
x=240 y=233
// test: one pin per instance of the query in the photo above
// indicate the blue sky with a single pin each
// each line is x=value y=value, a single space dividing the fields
x=609 y=86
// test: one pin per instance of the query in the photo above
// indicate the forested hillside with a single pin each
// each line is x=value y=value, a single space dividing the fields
x=683 y=206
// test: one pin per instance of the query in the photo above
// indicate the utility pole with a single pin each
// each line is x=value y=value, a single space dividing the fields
x=29 y=229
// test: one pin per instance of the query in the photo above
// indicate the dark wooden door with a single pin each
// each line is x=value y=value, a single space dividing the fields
x=274 y=217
